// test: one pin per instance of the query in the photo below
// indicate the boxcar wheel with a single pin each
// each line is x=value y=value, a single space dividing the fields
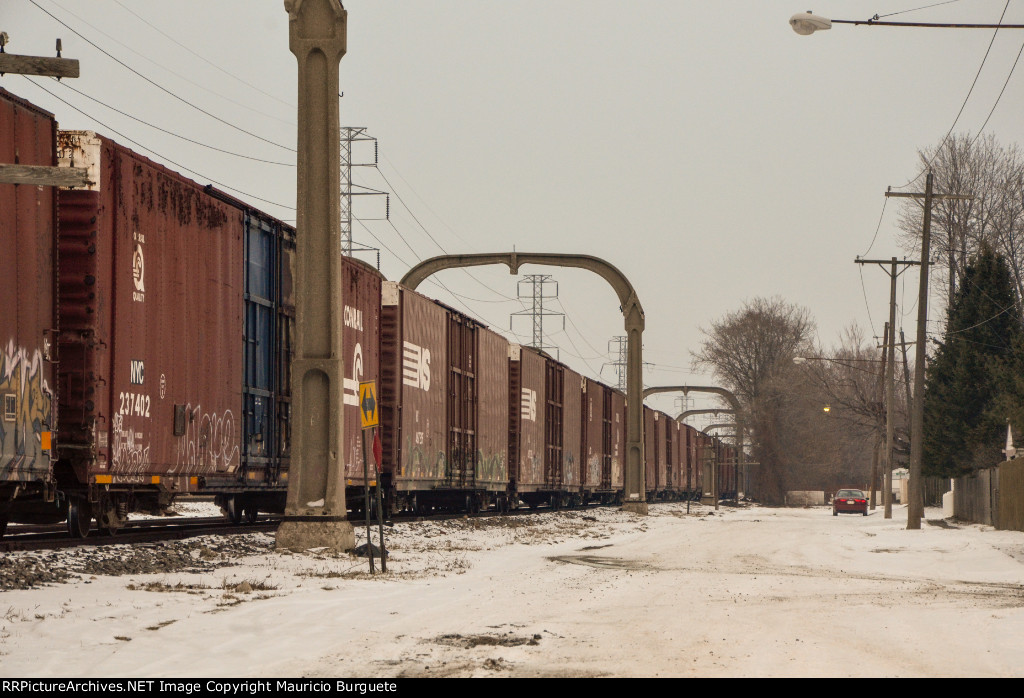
x=233 y=509
x=79 y=517
x=251 y=514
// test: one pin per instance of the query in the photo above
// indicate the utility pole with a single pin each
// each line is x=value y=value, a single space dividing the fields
x=915 y=507
x=890 y=360
x=886 y=388
x=537 y=284
x=906 y=368
x=40 y=175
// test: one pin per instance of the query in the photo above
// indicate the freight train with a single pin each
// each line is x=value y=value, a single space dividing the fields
x=146 y=339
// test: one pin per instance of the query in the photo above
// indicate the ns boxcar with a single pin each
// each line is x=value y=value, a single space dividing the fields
x=444 y=418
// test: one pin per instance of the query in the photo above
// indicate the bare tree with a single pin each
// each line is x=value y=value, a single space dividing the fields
x=994 y=175
x=751 y=353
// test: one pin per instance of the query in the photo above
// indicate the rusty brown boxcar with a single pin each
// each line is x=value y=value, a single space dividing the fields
x=361 y=359
x=671 y=457
x=617 y=463
x=492 y=383
x=596 y=449
x=688 y=438
x=441 y=448
x=151 y=313
x=546 y=432
x=571 y=446
x=527 y=433
x=651 y=453
x=28 y=320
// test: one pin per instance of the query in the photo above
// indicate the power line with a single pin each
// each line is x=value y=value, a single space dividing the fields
x=169 y=133
x=925 y=7
x=885 y=201
x=154 y=83
x=928 y=164
x=992 y=111
x=205 y=60
x=150 y=150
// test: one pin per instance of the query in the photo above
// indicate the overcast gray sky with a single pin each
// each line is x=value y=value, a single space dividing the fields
x=704 y=148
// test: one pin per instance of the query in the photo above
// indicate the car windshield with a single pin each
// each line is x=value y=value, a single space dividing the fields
x=849 y=493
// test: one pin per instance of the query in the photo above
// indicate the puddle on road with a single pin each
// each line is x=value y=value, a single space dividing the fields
x=611 y=563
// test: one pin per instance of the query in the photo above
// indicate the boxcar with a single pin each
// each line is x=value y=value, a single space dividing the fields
x=652 y=454
x=268 y=258
x=688 y=436
x=547 y=432
x=596 y=439
x=151 y=313
x=361 y=357
x=603 y=439
x=442 y=447
x=28 y=322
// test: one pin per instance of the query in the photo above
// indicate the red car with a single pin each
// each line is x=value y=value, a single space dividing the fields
x=849 y=502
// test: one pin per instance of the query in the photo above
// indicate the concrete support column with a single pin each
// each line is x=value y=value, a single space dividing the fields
x=316 y=513
x=634 y=485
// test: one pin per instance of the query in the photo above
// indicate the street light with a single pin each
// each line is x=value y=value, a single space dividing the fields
x=806 y=23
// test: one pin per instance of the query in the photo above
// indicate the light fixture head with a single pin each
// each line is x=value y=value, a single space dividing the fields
x=807 y=23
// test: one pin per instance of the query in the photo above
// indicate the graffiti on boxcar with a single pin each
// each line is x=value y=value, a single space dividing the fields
x=27 y=408
x=594 y=469
x=209 y=444
x=419 y=466
x=570 y=469
x=128 y=454
x=490 y=468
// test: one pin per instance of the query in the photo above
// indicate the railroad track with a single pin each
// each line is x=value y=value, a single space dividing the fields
x=142 y=531
x=55 y=537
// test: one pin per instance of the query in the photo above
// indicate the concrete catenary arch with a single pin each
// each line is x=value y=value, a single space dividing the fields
x=633 y=313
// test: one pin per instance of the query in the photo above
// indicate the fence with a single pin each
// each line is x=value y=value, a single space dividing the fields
x=992 y=496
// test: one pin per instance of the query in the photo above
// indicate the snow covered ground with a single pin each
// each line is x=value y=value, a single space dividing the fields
x=751 y=591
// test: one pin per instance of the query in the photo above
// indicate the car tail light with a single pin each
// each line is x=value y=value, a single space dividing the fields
x=861 y=501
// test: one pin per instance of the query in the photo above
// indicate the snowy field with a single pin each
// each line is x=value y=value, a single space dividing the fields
x=739 y=592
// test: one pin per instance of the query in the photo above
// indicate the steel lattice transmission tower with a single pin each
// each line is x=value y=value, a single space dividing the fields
x=350 y=135
x=617 y=347
x=537 y=286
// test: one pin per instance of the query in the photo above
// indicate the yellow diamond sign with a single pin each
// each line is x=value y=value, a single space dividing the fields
x=368 y=404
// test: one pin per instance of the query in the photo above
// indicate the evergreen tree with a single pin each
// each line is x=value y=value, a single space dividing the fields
x=964 y=417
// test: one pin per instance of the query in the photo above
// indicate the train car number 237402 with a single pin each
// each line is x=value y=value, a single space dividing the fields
x=134 y=404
